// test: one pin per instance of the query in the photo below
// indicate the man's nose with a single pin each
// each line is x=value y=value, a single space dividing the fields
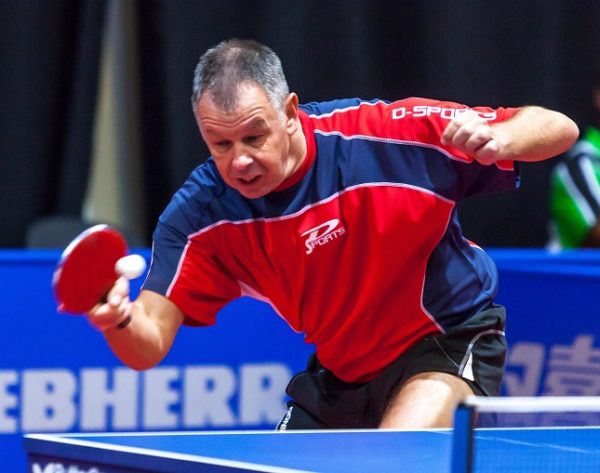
x=241 y=158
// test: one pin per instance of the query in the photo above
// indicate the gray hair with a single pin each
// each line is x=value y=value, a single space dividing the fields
x=223 y=68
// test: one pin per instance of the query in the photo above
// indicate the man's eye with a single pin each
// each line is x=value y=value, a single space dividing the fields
x=253 y=139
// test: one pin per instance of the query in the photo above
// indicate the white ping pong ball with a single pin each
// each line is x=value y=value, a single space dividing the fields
x=131 y=266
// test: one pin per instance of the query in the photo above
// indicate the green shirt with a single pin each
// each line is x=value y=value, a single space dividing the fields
x=575 y=191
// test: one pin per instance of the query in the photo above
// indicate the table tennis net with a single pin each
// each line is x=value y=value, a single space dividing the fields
x=515 y=412
x=564 y=439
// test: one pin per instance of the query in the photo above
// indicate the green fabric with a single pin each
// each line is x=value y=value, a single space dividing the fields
x=570 y=223
x=592 y=136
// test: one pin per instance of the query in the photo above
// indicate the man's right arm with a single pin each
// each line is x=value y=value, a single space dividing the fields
x=150 y=333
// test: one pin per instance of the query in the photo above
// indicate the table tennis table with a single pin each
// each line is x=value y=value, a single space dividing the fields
x=372 y=451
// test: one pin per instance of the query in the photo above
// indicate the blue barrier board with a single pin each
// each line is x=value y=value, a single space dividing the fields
x=58 y=375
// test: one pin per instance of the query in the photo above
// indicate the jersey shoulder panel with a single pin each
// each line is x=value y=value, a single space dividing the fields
x=415 y=120
x=187 y=213
x=318 y=109
x=405 y=136
x=191 y=202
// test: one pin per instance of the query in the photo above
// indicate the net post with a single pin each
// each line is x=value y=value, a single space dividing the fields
x=462 y=439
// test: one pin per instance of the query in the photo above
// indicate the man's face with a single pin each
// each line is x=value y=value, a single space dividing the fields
x=250 y=145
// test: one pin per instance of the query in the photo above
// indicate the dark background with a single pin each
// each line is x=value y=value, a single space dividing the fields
x=478 y=52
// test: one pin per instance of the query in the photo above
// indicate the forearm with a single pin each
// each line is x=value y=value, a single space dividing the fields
x=536 y=134
x=146 y=340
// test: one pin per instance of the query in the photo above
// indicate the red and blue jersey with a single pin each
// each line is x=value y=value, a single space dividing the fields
x=361 y=249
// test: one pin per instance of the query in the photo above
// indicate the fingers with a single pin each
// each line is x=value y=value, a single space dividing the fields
x=111 y=313
x=118 y=292
x=488 y=153
x=467 y=131
x=473 y=135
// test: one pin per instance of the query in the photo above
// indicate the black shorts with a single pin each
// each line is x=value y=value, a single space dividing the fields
x=475 y=351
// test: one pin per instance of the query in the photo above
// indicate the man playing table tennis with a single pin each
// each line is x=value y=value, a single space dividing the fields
x=342 y=216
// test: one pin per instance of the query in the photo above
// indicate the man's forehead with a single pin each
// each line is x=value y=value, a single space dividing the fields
x=231 y=99
x=257 y=122
x=253 y=119
x=252 y=111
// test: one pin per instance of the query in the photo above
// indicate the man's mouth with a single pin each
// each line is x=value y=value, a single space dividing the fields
x=248 y=180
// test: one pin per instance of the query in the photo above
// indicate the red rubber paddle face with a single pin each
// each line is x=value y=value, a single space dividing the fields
x=86 y=270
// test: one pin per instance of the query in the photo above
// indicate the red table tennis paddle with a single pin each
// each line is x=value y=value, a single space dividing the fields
x=90 y=265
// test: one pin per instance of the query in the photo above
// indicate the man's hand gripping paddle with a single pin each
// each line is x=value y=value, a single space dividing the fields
x=89 y=267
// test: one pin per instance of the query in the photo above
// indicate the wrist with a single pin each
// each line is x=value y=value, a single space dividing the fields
x=112 y=322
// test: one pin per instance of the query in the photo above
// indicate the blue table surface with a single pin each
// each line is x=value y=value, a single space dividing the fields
x=497 y=450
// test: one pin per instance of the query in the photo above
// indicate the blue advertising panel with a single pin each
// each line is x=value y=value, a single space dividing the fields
x=553 y=328
x=58 y=375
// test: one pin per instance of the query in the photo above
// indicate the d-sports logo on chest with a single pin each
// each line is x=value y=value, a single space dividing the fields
x=322 y=234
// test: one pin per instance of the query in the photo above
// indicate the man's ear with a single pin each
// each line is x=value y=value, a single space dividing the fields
x=290 y=109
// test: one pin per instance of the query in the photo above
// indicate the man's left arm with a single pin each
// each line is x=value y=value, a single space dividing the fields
x=532 y=134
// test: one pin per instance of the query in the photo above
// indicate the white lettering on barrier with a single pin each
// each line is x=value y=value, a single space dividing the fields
x=60 y=468
x=560 y=370
x=8 y=401
x=260 y=401
x=207 y=392
x=569 y=370
x=527 y=359
x=60 y=400
x=160 y=397
x=47 y=400
x=103 y=390
x=574 y=370
x=199 y=396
